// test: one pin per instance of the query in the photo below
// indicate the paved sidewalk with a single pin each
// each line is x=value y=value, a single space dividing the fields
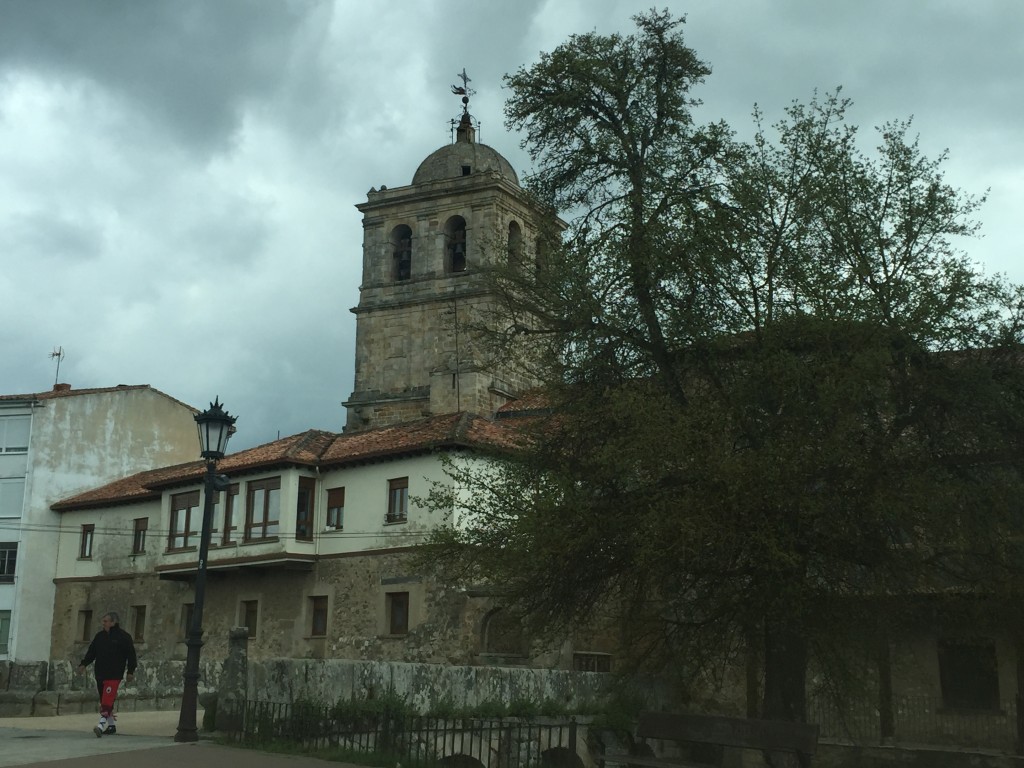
x=38 y=740
x=144 y=739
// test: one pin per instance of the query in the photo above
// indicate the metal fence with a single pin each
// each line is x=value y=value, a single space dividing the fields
x=390 y=737
x=920 y=720
x=414 y=741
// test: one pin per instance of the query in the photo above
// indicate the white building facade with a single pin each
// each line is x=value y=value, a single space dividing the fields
x=311 y=550
x=54 y=444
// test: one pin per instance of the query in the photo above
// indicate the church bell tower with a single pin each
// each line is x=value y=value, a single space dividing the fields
x=422 y=288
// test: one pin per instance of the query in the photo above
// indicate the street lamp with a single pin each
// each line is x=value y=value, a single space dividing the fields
x=215 y=427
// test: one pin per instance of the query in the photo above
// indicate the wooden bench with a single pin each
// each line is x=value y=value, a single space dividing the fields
x=767 y=735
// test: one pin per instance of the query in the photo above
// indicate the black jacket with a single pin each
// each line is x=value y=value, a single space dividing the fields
x=113 y=652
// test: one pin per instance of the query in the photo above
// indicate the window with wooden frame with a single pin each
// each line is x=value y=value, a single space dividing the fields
x=396 y=606
x=304 y=509
x=139 y=535
x=262 y=509
x=226 y=521
x=336 y=508
x=184 y=516
x=398 y=500
x=85 y=542
x=318 y=616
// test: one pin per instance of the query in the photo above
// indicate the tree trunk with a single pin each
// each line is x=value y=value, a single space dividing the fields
x=886 y=722
x=753 y=670
x=1019 y=649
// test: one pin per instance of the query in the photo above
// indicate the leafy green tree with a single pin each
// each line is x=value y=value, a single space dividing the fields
x=776 y=387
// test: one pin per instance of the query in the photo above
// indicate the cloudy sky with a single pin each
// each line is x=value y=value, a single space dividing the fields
x=177 y=177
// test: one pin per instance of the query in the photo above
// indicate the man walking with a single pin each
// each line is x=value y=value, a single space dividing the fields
x=114 y=652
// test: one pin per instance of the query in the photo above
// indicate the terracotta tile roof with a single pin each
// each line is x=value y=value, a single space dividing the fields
x=65 y=390
x=313 y=448
x=137 y=487
x=531 y=402
x=303 y=448
x=446 y=431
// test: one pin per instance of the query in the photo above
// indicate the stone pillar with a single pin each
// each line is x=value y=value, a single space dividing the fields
x=231 y=693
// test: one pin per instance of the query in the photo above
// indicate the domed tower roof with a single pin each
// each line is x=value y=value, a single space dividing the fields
x=463 y=157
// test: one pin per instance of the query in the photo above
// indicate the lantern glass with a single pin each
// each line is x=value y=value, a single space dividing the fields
x=215 y=427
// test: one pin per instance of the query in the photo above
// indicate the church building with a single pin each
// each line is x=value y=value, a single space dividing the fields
x=424 y=246
x=312 y=545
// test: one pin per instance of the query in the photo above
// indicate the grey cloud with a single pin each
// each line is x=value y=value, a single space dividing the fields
x=190 y=64
x=48 y=236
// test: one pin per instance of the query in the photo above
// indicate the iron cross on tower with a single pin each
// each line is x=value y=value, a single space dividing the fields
x=463 y=90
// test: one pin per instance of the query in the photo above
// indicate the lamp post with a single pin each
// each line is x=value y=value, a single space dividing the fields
x=215 y=427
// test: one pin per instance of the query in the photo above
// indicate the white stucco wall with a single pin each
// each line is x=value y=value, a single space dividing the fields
x=366 y=503
x=81 y=441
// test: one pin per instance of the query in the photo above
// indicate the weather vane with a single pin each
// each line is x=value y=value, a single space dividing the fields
x=463 y=90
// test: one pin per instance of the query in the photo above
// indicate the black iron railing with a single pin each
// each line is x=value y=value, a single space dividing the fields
x=412 y=740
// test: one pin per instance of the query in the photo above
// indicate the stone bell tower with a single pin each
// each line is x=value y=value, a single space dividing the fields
x=422 y=289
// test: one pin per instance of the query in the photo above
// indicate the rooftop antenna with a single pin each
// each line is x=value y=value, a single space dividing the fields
x=58 y=355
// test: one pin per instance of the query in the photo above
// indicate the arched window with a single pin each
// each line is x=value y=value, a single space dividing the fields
x=455 y=244
x=401 y=249
x=515 y=245
x=503 y=634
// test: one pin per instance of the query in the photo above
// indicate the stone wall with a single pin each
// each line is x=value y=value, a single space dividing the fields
x=58 y=689
x=424 y=686
x=445 y=623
